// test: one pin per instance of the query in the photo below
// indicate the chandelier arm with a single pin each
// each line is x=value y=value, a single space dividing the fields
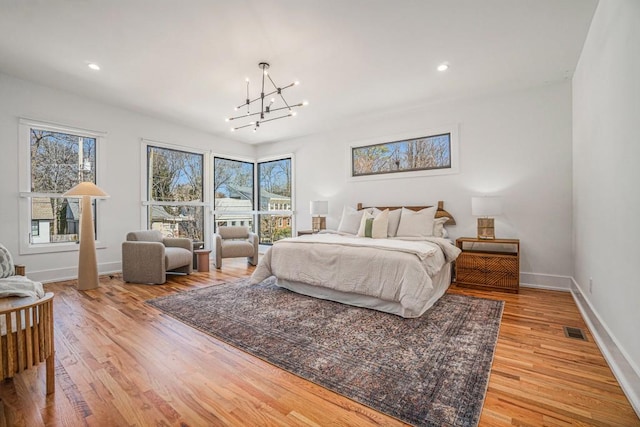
x=243 y=116
x=262 y=93
x=243 y=126
x=286 y=108
x=275 y=118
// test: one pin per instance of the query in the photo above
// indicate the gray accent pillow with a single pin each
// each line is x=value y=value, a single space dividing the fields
x=6 y=263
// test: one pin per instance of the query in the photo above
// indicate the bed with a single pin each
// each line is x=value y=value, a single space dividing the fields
x=402 y=274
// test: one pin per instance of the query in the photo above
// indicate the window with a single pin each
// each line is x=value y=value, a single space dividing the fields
x=274 y=188
x=434 y=154
x=233 y=192
x=175 y=202
x=53 y=159
x=429 y=152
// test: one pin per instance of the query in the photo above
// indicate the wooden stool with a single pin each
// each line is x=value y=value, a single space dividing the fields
x=203 y=259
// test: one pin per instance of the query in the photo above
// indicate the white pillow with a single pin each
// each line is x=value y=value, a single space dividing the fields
x=6 y=263
x=350 y=221
x=378 y=227
x=438 y=227
x=416 y=224
x=394 y=222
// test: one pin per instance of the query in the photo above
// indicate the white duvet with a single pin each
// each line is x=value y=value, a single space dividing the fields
x=387 y=269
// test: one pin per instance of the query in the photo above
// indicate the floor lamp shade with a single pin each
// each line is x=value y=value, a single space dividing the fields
x=485 y=207
x=319 y=208
x=87 y=261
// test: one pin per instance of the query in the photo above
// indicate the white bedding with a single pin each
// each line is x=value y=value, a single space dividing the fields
x=389 y=270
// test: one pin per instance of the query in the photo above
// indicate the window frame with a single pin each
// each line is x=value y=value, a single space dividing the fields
x=452 y=130
x=24 y=184
x=206 y=188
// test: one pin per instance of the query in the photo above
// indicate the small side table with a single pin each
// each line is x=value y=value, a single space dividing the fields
x=203 y=259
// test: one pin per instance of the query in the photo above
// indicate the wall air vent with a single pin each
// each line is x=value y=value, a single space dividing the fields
x=575 y=333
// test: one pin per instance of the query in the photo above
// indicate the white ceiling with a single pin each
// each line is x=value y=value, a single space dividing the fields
x=186 y=61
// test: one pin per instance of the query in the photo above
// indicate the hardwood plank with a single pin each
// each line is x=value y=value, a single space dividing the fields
x=121 y=362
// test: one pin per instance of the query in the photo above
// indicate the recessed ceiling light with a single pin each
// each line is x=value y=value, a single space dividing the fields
x=443 y=67
x=93 y=66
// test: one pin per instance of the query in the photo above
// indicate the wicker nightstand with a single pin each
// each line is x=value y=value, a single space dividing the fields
x=491 y=264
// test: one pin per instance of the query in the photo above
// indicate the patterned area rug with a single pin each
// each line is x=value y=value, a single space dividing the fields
x=429 y=371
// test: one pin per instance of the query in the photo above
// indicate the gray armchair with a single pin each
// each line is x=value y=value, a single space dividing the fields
x=234 y=242
x=147 y=256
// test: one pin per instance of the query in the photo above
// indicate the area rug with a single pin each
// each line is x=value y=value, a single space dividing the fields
x=429 y=371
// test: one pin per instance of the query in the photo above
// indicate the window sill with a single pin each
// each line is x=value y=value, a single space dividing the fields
x=28 y=249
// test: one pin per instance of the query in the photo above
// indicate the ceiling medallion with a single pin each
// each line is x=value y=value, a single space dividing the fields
x=273 y=106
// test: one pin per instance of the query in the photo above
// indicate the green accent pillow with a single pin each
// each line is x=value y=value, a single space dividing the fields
x=368 y=228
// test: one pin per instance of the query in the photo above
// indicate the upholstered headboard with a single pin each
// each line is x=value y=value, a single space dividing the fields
x=441 y=212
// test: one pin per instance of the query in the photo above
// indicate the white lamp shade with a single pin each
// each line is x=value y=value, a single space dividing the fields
x=86 y=189
x=319 y=207
x=486 y=206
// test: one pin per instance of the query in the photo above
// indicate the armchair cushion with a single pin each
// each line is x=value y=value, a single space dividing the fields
x=177 y=257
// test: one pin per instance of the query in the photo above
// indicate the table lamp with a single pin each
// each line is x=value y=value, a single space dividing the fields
x=318 y=209
x=87 y=262
x=484 y=207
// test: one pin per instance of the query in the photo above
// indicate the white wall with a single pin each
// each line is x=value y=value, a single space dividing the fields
x=120 y=213
x=606 y=151
x=517 y=145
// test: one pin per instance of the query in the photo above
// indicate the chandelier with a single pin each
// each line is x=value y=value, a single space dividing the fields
x=268 y=111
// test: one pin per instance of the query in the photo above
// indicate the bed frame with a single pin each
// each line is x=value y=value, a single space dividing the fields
x=440 y=213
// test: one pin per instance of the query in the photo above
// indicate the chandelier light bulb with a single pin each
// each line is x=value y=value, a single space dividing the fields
x=233 y=129
x=246 y=79
x=93 y=66
x=296 y=83
x=305 y=103
x=443 y=67
x=226 y=119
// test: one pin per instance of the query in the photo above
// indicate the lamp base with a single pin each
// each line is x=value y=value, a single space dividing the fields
x=318 y=223
x=486 y=230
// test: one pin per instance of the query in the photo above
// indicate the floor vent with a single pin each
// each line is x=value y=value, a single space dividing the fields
x=575 y=333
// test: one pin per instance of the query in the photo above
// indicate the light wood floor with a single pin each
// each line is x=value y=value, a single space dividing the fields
x=121 y=362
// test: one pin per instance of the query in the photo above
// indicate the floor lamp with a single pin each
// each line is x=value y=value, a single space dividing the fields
x=87 y=262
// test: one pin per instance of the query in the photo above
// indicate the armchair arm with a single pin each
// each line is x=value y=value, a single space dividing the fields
x=217 y=249
x=178 y=242
x=143 y=262
x=255 y=241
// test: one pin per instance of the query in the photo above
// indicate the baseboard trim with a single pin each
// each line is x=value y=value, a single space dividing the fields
x=623 y=369
x=70 y=273
x=551 y=282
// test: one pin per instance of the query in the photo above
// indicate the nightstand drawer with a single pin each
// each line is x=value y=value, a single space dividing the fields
x=484 y=262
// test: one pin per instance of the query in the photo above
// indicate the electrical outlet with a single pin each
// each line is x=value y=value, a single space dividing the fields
x=590 y=284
